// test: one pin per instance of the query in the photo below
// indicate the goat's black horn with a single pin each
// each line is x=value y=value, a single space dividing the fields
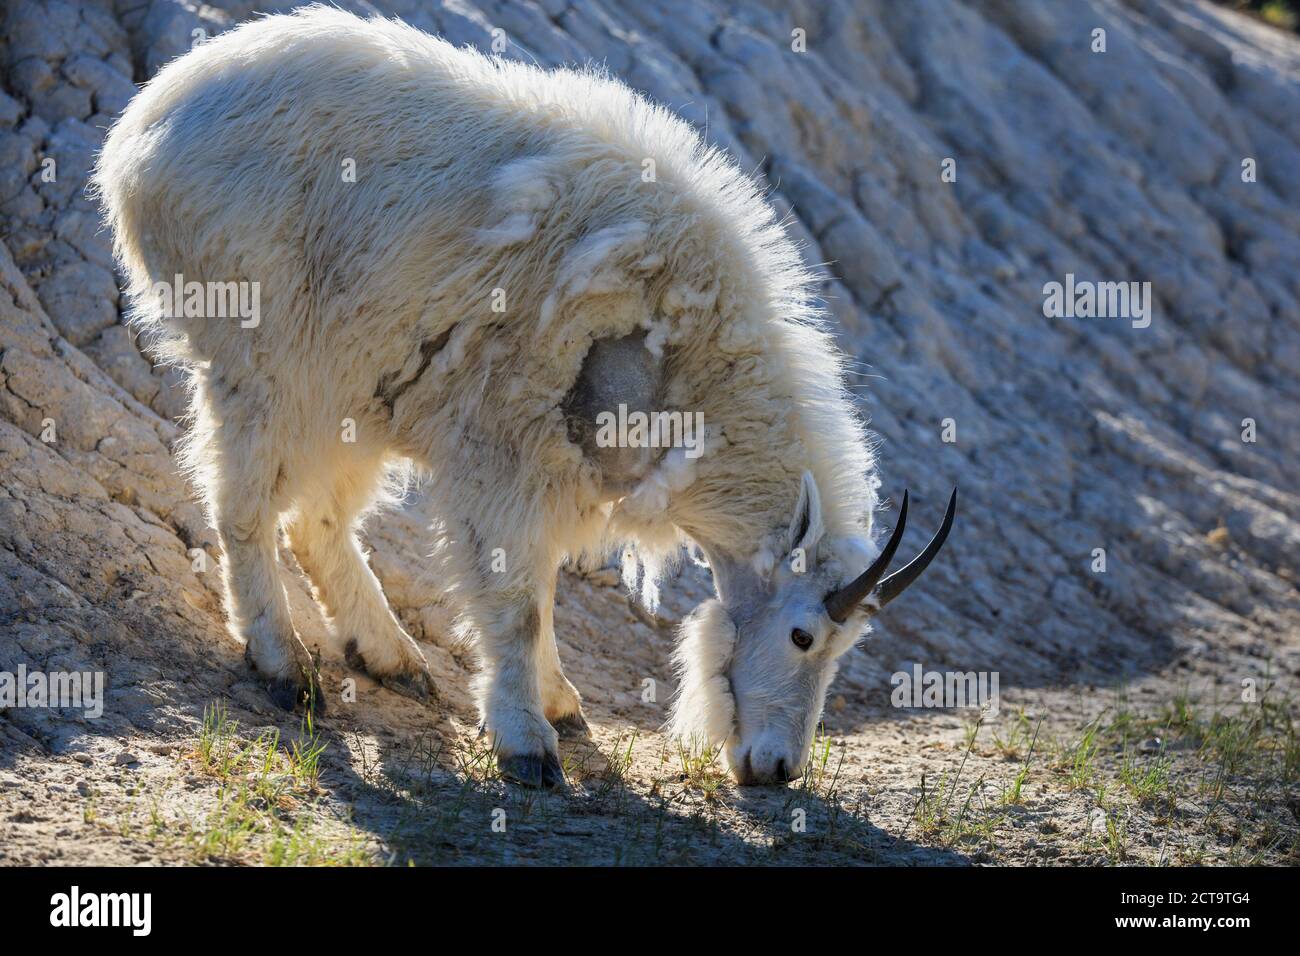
x=840 y=604
x=898 y=582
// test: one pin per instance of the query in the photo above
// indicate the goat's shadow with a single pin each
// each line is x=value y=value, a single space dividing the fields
x=439 y=806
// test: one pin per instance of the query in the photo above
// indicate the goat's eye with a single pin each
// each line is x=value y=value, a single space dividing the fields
x=801 y=638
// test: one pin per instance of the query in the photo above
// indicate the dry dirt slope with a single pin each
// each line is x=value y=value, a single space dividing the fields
x=1071 y=435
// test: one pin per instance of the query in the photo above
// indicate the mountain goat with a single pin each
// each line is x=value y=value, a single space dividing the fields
x=469 y=264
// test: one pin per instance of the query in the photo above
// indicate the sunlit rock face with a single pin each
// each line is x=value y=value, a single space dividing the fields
x=1127 y=469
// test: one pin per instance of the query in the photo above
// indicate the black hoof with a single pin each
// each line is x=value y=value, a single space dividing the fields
x=538 y=772
x=354 y=658
x=292 y=695
x=572 y=727
x=417 y=685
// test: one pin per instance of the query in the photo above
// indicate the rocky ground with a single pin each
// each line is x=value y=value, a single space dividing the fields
x=943 y=160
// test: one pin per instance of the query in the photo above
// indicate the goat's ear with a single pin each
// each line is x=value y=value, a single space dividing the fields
x=806 y=528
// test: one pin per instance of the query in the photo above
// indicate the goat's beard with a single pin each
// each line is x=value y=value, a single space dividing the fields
x=704 y=711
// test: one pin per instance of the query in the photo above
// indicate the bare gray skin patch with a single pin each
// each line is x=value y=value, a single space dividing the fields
x=615 y=372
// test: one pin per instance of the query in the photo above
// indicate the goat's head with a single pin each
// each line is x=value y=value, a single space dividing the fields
x=755 y=664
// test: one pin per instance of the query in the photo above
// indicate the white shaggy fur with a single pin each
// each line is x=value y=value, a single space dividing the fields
x=704 y=713
x=473 y=177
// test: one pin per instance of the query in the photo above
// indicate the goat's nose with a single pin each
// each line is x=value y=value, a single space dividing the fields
x=766 y=767
x=785 y=773
x=743 y=770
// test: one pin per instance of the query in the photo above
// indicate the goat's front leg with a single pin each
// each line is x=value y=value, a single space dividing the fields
x=510 y=691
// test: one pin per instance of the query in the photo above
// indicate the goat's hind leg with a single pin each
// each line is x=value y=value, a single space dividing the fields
x=323 y=536
x=245 y=480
